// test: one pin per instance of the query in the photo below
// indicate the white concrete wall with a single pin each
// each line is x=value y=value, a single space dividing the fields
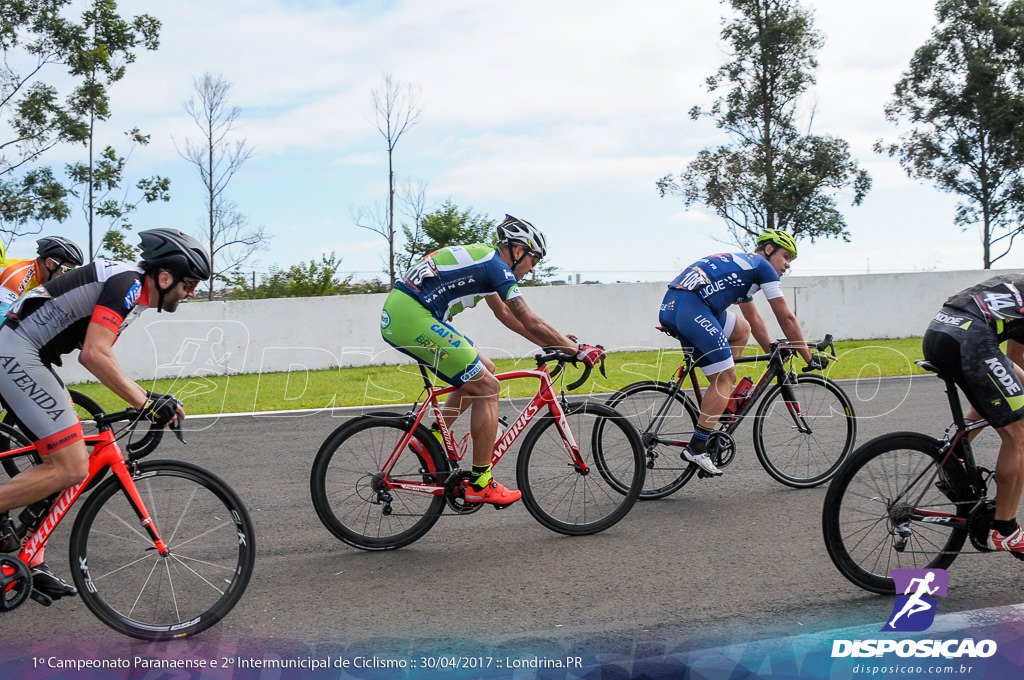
x=215 y=338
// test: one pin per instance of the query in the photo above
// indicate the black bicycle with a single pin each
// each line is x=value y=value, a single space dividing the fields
x=908 y=500
x=804 y=427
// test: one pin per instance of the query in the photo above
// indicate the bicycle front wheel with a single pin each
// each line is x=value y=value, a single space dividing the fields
x=889 y=507
x=803 y=442
x=351 y=496
x=133 y=589
x=574 y=501
x=666 y=471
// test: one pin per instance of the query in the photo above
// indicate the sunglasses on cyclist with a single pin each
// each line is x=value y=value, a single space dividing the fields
x=190 y=285
x=62 y=266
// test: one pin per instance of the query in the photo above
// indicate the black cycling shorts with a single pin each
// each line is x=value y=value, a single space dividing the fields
x=966 y=350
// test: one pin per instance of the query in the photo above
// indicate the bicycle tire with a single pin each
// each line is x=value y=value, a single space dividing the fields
x=862 y=508
x=135 y=591
x=666 y=472
x=557 y=494
x=13 y=438
x=798 y=459
x=344 y=483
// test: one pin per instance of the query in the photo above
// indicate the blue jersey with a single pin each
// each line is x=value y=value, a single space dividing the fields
x=457 y=277
x=727 y=278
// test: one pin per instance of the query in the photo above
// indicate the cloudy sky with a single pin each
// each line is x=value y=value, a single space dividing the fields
x=562 y=112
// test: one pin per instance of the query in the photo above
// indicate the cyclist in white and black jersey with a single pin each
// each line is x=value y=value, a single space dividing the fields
x=85 y=309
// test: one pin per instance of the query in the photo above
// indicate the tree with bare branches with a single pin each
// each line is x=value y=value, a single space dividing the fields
x=396 y=106
x=218 y=155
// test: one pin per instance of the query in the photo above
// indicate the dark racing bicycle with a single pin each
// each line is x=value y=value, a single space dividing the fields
x=804 y=426
x=908 y=500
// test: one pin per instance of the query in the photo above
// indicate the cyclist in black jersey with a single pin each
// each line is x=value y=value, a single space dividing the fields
x=85 y=309
x=963 y=342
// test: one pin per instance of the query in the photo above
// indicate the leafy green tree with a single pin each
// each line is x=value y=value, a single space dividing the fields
x=309 y=279
x=111 y=41
x=34 y=37
x=41 y=42
x=99 y=186
x=770 y=175
x=446 y=226
x=962 y=99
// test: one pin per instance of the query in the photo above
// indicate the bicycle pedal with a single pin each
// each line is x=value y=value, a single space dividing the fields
x=41 y=598
x=501 y=507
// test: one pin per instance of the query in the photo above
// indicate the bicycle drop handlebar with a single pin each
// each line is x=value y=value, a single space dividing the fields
x=133 y=415
x=554 y=354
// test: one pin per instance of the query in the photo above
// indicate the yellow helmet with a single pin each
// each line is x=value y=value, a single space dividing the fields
x=779 y=238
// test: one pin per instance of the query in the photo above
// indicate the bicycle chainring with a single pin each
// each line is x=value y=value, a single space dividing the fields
x=722 y=448
x=455 y=491
x=979 y=523
x=15 y=583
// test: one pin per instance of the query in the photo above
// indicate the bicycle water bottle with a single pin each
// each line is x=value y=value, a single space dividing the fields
x=502 y=427
x=33 y=514
x=739 y=395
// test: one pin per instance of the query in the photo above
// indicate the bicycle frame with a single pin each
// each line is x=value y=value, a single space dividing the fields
x=956 y=445
x=776 y=369
x=105 y=454
x=545 y=398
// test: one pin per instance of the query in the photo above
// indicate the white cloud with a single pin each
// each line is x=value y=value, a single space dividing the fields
x=568 y=110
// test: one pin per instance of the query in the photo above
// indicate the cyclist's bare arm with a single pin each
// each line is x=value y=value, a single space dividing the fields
x=517 y=316
x=790 y=326
x=97 y=356
x=758 y=328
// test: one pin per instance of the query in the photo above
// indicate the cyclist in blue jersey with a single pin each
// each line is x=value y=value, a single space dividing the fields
x=695 y=310
x=416 y=321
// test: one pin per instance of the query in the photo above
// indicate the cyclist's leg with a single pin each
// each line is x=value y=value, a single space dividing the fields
x=696 y=326
x=737 y=329
x=970 y=355
x=43 y=408
x=411 y=328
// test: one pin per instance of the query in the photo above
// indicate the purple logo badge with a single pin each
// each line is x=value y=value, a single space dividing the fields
x=916 y=590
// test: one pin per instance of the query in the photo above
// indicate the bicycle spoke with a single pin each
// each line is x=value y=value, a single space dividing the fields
x=138 y=591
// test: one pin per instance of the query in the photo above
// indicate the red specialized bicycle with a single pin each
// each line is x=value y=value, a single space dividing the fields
x=382 y=480
x=159 y=550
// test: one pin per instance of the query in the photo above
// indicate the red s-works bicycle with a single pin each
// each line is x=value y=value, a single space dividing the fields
x=159 y=550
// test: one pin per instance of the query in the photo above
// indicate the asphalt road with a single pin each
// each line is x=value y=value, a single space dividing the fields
x=724 y=560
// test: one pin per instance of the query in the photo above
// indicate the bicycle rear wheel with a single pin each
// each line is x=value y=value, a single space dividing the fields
x=129 y=586
x=13 y=438
x=666 y=471
x=348 y=489
x=569 y=501
x=886 y=507
x=806 y=450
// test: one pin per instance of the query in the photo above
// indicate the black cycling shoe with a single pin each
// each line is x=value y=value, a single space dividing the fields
x=48 y=583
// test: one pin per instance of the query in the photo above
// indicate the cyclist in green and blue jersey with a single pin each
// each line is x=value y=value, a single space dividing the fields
x=416 y=321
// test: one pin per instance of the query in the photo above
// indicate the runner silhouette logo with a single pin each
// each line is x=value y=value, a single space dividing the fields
x=914 y=609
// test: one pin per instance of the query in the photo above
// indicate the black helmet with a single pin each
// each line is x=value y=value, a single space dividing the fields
x=60 y=249
x=176 y=252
